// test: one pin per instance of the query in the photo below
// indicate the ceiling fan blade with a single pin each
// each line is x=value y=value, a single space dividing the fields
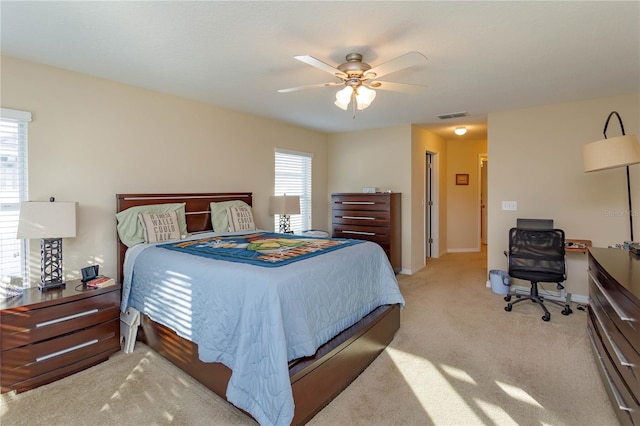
x=312 y=86
x=395 y=87
x=407 y=60
x=310 y=60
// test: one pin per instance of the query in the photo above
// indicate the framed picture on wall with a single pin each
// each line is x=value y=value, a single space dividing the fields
x=462 y=179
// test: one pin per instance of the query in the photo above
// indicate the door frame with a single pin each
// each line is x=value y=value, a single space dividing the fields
x=432 y=221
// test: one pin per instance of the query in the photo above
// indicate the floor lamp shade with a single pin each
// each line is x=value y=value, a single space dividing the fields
x=50 y=222
x=611 y=153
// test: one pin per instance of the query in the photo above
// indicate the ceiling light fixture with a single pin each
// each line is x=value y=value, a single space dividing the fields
x=460 y=130
x=360 y=96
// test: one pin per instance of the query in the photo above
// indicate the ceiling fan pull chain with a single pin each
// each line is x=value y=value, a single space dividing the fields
x=353 y=104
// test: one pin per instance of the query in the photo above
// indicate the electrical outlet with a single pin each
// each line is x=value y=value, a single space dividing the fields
x=509 y=205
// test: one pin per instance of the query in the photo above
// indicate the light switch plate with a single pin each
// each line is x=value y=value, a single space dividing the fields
x=509 y=205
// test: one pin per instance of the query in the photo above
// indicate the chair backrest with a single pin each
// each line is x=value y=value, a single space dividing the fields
x=537 y=254
x=534 y=223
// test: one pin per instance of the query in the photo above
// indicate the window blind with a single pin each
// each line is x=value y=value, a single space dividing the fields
x=293 y=177
x=13 y=190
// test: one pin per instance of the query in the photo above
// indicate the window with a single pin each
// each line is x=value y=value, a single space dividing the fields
x=13 y=190
x=293 y=177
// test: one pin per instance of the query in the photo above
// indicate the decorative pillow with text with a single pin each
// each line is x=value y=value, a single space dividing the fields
x=160 y=226
x=240 y=219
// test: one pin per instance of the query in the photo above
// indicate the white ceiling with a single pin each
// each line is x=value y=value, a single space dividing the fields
x=482 y=56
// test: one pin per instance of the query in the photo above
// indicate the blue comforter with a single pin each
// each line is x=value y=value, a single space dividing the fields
x=255 y=319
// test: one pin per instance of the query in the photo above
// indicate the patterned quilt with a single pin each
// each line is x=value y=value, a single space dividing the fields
x=260 y=248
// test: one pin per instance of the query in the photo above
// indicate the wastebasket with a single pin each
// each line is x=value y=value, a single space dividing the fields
x=499 y=281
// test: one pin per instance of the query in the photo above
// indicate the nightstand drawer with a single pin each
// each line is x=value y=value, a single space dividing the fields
x=20 y=328
x=33 y=360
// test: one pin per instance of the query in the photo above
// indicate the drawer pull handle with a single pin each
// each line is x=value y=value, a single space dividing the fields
x=612 y=386
x=359 y=217
x=359 y=232
x=68 y=317
x=619 y=311
x=364 y=203
x=64 y=351
x=623 y=360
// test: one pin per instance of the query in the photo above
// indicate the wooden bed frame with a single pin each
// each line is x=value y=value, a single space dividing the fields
x=315 y=380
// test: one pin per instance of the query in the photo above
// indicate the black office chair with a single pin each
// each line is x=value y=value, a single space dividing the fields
x=537 y=255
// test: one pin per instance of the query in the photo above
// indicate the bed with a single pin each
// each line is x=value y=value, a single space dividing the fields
x=313 y=379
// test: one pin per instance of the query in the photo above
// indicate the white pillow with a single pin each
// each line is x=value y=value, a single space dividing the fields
x=240 y=219
x=158 y=227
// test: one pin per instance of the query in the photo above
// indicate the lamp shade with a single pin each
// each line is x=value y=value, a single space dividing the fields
x=343 y=97
x=284 y=204
x=611 y=153
x=364 y=97
x=47 y=220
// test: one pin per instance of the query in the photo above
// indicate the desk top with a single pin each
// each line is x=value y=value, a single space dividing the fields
x=576 y=246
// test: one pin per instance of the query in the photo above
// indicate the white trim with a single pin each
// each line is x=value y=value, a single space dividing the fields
x=464 y=250
x=292 y=152
x=14 y=114
x=549 y=294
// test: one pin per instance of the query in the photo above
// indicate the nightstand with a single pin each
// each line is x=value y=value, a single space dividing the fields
x=45 y=336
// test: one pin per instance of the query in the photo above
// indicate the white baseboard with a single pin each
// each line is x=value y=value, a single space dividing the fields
x=549 y=294
x=464 y=250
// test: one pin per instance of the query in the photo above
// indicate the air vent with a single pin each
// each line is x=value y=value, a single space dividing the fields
x=452 y=115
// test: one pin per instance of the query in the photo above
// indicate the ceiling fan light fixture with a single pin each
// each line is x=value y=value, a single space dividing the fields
x=460 y=130
x=343 y=97
x=364 y=97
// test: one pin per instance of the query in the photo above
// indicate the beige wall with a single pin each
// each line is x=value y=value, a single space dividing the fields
x=536 y=160
x=463 y=201
x=377 y=158
x=91 y=139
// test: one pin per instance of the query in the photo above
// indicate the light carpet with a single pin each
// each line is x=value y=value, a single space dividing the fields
x=458 y=359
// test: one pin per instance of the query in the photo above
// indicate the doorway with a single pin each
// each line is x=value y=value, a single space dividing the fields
x=484 y=188
x=431 y=206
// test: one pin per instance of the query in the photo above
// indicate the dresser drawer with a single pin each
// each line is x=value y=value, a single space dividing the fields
x=33 y=360
x=625 y=407
x=370 y=233
x=361 y=218
x=23 y=327
x=623 y=357
x=621 y=310
x=361 y=202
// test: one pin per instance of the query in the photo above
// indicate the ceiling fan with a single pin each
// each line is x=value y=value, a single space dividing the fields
x=359 y=78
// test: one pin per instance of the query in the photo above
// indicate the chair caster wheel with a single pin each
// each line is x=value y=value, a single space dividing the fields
x=566 y=311
x=507 y=298
x=508 y=308
x=546 y=317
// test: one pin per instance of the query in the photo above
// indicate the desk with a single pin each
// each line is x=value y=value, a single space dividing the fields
x=576 y=246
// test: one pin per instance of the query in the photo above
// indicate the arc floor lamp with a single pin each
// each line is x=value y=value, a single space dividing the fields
x=611 y=153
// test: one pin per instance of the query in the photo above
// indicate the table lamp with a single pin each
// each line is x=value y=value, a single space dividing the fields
x=51 y=222
x=284 y=205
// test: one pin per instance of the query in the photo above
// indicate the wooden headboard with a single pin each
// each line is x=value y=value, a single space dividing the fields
x=197 y=208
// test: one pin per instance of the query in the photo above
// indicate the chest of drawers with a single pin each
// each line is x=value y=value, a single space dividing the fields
x=614 y=327
x=49 y=335
x=372 y=217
